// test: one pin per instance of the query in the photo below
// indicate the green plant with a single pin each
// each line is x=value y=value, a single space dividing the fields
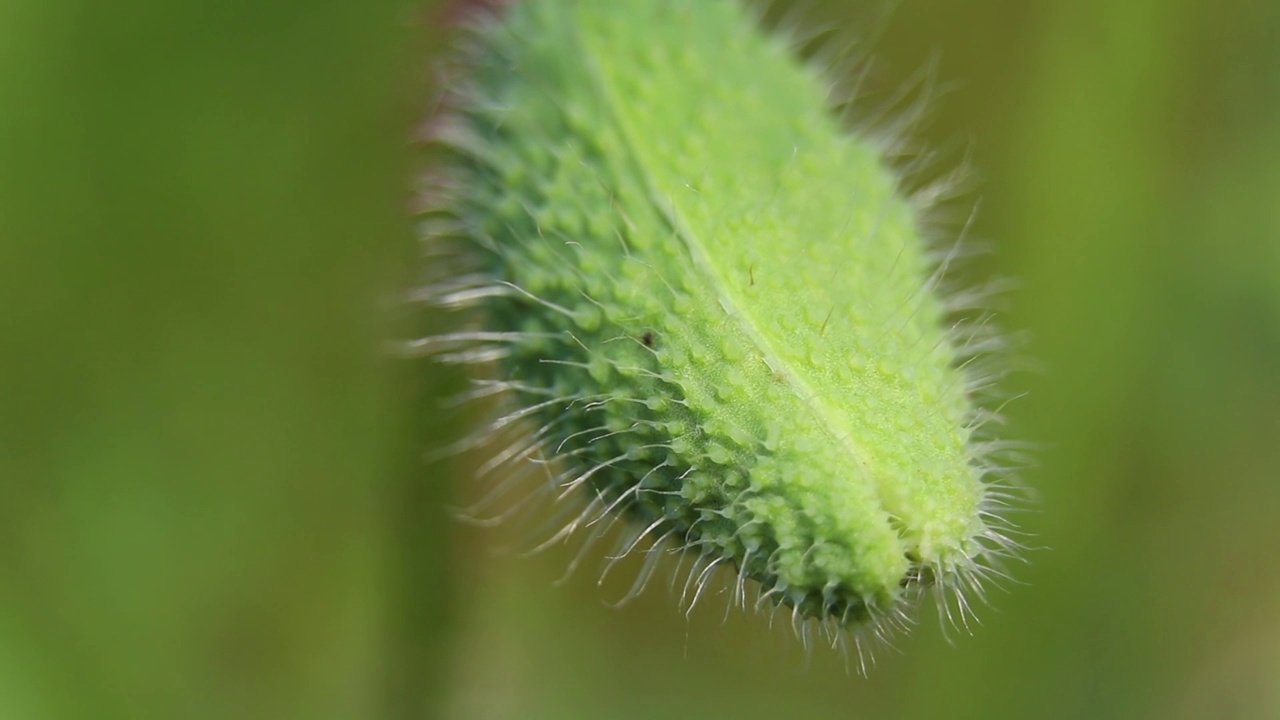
x=711 y=315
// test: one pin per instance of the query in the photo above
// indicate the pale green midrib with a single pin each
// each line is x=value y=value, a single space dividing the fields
x=824 y=416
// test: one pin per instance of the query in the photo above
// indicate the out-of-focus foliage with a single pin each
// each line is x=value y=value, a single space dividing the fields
x=202 y=513
x=212 y=502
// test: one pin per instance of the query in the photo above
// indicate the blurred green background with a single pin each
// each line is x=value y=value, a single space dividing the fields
x=212 y=497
